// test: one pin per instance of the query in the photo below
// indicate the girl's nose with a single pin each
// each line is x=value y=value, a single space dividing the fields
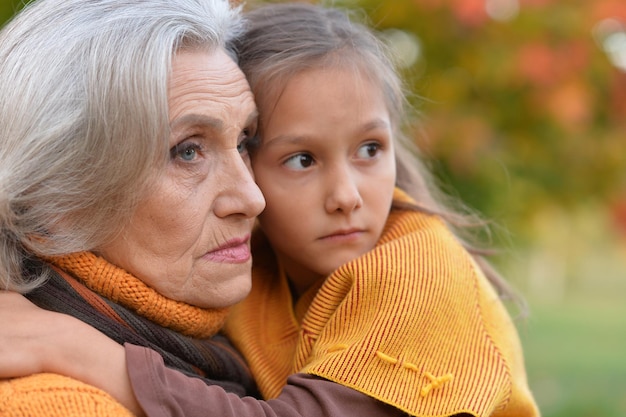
x=343 y=192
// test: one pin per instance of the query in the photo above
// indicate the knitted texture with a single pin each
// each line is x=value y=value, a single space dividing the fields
x=39 y=396
x=123 y=308
x=123 y=288
x=412 y=323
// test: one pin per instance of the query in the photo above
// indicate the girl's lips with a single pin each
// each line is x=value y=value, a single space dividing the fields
x=343 y=235
x=234 y=251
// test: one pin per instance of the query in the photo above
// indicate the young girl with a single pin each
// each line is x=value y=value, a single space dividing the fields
x=358 y=279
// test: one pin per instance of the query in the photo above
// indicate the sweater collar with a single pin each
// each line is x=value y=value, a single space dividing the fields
x=121 y=287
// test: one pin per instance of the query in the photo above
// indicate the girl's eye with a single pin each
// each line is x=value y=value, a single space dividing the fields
x=299 y=161
x=186 y=151
x=369 y=150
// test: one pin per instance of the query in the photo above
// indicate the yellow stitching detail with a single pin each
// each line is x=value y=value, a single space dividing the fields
x=435 y=382
x=410 y=366
x=338 y=347
x=386 y=358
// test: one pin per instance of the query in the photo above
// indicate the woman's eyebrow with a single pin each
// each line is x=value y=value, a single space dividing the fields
x=197 y=120
x=204 y=120
x=252 y=118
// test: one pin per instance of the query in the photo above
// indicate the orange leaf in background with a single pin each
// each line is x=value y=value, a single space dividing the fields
x=537 y=64
x=543 y=65
x=574 y=56
x=618 y=211
x=609 y=9
x=570 y=104
x=471 y=13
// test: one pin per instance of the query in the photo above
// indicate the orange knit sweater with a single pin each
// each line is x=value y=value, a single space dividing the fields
x=51 y=395
x=413 y=323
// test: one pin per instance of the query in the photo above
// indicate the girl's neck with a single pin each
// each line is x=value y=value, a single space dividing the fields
x=300 y=279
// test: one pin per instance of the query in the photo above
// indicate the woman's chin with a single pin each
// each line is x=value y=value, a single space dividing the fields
x=223 y=296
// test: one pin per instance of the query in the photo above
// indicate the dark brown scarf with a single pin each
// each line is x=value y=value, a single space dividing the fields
x=126 y=310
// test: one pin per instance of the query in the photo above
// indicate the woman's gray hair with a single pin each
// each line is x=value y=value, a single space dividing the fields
x=84 y=116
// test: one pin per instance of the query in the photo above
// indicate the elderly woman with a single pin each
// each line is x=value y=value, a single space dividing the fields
x=125 y=195
x=126 y=201
x=154 y=270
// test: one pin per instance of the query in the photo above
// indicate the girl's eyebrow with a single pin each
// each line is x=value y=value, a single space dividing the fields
x=286 y=139
x=376 y=124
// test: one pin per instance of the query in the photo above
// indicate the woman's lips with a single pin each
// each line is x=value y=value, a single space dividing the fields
x=233 y=251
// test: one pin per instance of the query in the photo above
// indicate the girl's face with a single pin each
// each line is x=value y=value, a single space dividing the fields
x=189 y=237
x=327 y=170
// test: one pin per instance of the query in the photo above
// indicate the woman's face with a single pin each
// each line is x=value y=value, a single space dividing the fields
x=189 y=237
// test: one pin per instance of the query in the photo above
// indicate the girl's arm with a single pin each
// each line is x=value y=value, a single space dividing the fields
x=33 y=340
x=166 y=392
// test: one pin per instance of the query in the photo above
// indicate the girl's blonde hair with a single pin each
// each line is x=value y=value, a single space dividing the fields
x=284 y=39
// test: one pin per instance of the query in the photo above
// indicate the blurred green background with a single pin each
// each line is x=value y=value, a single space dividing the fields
x=523 y=106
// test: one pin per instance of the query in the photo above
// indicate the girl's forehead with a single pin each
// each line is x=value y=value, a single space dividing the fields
x=301 y=88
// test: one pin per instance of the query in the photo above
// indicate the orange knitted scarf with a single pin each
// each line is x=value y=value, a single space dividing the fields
x=123 y=288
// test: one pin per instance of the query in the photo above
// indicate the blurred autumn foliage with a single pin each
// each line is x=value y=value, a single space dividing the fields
x=523 y=107
x=523 y=115
x=523 y=102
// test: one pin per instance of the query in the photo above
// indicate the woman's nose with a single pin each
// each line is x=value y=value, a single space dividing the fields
x=241 y=194
x=343 y=192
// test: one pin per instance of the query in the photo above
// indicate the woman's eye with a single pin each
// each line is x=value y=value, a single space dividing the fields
x=247 y=144
x=369 y=150
x=185 y=151
x=242 y=147
x=299 y=161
